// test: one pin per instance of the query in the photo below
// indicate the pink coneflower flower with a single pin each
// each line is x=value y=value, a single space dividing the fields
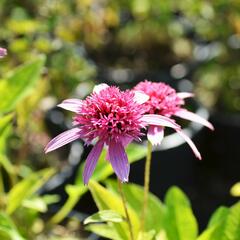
x=165 y=101
x=108 y=117
x=3 y=52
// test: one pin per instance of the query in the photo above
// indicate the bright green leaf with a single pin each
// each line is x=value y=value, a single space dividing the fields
x=19 y=83
x=105 y=200
x=104 y=216
x=27 y=187
x=104 y=230
x=134 y=196
x=146 y=235
x=180 y=223
x=8 y=230
x=35 y=203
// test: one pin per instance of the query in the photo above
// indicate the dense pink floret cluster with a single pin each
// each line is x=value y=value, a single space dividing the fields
x=163 y=99
x=110 y=115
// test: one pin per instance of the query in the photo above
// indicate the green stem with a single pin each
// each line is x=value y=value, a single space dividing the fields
x=146 y=184
x=125 y=209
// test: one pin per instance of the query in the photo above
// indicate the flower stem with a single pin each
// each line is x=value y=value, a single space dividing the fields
x=125 y=208
x=146 y=184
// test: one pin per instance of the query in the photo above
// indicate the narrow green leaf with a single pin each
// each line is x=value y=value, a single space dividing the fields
x=35 y=203
x=8 y=231
x=104 y=230
x=26 y=188
x=223 y=225
x=134 y=196
x=146 y=235
x=180 y=223
x=19 y=83
x=104 y=216
x=105 y=200
x=219 y=215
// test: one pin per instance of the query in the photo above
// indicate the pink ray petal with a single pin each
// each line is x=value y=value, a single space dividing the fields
x=190 y=143
x=126 y=140
x=91 y=161
x=62 y=139
x=155 y=135
x=184 y=95
x=159 y=120
x=98 y=88
x=3 y=52
x=185 y=114
x=119 y=160
x=140 y=97
x=73 y=105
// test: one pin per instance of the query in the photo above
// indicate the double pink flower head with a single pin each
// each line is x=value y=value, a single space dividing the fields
x=115 y=118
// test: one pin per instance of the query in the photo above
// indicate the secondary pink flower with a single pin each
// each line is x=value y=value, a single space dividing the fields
x=110 y=117
x=164 y=100
x=3 y=52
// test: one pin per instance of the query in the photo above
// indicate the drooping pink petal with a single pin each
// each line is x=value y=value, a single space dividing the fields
x=140 y=97
x=155 y=135
x=73 y=105
x=91 y=161
x=184 y=95
x=62 y=139
x=98 y=88
x=119 y=160
x=185 y=114
x=3 y=52
x=190 y=143
x=159 y=120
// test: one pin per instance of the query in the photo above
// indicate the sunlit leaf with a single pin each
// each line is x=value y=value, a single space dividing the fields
x=104 y=216
x=180 y=223
x=107 y=200
x=104 y=230
x=27 y=187
x=19 y=83
x=35 y=203
x=134 y=196
x=146 y=235
x=8 y=230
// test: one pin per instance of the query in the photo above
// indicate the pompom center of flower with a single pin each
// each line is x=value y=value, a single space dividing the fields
x=110 y=115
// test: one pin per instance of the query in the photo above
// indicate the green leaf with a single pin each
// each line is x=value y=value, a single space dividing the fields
x=134 y=196
x=8 y=230
x=105 y=200
x=26 y=188
x=104 y=230
x=103 y=170
x=146 y=235
x=35 y=203
x=220 y=214
x=104 y=216
x=180 y=223
x=5 y=131
x=19 y=83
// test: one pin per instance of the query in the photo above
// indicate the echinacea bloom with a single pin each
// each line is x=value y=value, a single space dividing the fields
x=3 y=52
x=165 y=101
x=108 y=117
